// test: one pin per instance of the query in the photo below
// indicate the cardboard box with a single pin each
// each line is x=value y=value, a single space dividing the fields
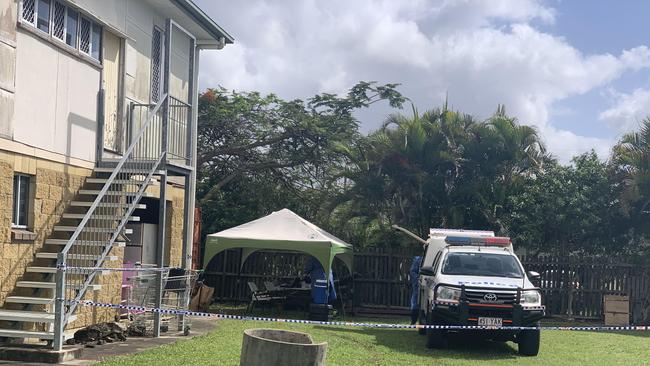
x=617 y=319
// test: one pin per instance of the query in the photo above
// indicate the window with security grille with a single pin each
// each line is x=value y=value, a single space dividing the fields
x=29 y=11
x=96 y=41
x=84 y=35
x=20 y=201
x=43 y=15
x=72 y=23
x=65 y=23
x=58 y=21
x=156 y=65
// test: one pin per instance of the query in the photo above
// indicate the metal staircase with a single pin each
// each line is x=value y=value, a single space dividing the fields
x=45 y=301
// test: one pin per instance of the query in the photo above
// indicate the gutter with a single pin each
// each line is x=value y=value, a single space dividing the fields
x=205 y=21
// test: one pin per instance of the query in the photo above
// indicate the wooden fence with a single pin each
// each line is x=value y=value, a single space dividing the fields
x=572 y=288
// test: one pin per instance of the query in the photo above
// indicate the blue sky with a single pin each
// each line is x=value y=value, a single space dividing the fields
x=579 y=71
x=595 y=27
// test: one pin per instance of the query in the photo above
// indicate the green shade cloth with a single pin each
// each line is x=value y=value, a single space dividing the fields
x=282 y=230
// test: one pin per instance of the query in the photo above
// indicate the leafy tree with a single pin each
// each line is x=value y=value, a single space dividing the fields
x=266 y=147
x=568 y=210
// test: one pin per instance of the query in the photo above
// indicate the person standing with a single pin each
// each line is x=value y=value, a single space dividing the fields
x=316 y=272
x=414 y=275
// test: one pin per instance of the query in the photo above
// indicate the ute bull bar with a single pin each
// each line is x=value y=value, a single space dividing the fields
x=466 y=312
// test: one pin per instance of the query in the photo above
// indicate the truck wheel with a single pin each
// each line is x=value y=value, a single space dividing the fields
x=436 y=338
x=422 y=321
x=529 y=342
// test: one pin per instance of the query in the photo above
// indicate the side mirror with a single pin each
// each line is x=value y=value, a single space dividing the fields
x=427 y=271
x=534 y=277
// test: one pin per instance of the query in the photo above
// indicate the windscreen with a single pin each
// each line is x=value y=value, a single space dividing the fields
x=481 y=264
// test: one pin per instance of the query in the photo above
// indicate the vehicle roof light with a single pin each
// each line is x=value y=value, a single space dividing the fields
x=458 y=240
x=463 y=240
x=499 y=240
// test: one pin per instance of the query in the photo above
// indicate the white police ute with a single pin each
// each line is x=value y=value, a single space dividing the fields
x=472 y=278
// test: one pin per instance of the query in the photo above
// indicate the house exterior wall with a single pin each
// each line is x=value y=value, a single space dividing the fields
x=52 y=187
x=8 y=14
x=49 y=97
x=48 y=130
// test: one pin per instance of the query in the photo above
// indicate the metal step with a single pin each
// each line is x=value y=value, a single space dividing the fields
x=103 y=204
x=41 y=269
x=52 y=270
x=90 y=229
x=52 y=285
x=128 y=170
x=36 y=284
x=30 y=300
x=26 y=316
x=96 y=192
x=14 y=333
x=80 y=216
x=44 y=255
x=118 y=244
x=116 y=181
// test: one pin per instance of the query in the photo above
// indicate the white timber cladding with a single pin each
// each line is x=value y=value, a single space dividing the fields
x=55 y=105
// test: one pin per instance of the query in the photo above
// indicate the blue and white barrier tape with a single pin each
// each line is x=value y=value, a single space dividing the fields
x=132 y=269
x=349 y=324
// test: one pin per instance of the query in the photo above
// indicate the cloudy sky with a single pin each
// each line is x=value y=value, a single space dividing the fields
x=577 y=70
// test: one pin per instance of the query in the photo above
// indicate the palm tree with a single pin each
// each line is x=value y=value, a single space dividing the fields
x=631 y=161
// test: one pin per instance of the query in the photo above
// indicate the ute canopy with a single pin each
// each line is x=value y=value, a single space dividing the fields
x=282 y=230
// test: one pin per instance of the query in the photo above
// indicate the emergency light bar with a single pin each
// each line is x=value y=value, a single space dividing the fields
x=498 y=241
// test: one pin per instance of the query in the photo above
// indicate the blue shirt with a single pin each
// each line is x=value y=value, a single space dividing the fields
x=317 y=272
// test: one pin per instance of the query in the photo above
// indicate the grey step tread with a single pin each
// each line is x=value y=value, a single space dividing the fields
x=35 y=269
x=80 y=216
x=48 y=255
x=90 y=229
x=118 y=244
x=35 y=284
x=49 y=285
x=104 y=204
x=96 y=192
x=117 y=181
x=29 y=300
x=15 y=333
x=127 y=170
x=26 y=316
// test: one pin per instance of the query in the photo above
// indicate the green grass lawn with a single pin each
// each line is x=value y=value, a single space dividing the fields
x=362 y=346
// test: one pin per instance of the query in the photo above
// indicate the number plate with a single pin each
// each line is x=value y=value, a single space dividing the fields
x=490 y=322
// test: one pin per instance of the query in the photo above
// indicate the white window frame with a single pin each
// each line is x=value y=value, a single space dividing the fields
x=15 y=209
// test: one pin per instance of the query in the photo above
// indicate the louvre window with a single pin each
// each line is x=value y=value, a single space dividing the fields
x=96 y=42
x=65 y=24
x=21 y=196
x=72 y=22
x=43 y=11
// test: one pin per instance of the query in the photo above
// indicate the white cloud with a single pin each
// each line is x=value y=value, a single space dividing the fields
x=627 y=110
x=481 y=53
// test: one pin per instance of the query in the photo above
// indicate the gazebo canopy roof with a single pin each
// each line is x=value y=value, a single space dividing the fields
x=281 y=230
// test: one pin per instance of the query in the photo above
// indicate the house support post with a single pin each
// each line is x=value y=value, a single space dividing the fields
x=59 y=303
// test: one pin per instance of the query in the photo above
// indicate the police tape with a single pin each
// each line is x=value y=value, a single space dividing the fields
x=107 y=269
x=144 y=309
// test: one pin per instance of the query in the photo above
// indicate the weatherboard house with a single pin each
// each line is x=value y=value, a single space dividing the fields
x=97 y=152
